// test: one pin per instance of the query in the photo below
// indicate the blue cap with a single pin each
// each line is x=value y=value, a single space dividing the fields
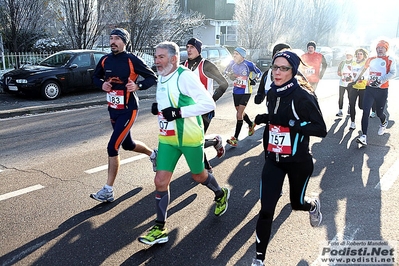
x=241 y=51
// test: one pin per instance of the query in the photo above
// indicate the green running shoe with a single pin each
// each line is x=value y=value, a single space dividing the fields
x=156 y=235
x=232 y=142
x=222 y=203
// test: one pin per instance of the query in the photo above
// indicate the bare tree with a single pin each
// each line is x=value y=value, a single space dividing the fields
x=153 y=21
x=322 y=18
x=186 y=23
x=263 y=23
x=251 y=22
x=22 y=23
x=83 y=22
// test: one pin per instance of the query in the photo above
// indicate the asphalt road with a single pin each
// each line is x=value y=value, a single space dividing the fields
x=58 y=157
x=17 y=105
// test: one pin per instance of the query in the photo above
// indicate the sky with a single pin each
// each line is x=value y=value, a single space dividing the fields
x=380 y=20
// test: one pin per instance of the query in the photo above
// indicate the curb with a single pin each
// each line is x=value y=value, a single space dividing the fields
x=56 y=107
x=46 y=108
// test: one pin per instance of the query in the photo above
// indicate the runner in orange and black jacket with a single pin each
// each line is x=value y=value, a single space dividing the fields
x=117 y=73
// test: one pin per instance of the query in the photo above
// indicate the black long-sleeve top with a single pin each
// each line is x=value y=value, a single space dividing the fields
x=309 y=121
x=118 y=68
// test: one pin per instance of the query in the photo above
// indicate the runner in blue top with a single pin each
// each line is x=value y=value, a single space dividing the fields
x=244 y=74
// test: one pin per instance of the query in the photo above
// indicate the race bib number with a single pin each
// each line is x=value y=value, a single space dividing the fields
x=165 y=128
x=374 y=76
x=310 y=71
x=279 y=139
x=116 y=99
x=241 y=82
x=346 y=77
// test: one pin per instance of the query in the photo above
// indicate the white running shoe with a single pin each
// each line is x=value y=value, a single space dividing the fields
x=382 y=128
x=362 y=140
x=103 y=195
x=219 y=147
x=339 y=114
x=352 y=126
x=153 y=159
x=256 y=262
x=315 y=216
x=372 y=115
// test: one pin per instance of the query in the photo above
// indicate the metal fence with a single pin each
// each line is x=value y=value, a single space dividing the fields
x=147 y=55
x=16 y=60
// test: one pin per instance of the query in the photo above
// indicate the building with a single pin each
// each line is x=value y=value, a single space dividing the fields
x=219 y=27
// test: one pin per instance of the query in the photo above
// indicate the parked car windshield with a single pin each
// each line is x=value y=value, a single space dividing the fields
x=56 y=60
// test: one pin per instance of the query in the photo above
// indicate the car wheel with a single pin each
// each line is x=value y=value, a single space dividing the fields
x=51 y=90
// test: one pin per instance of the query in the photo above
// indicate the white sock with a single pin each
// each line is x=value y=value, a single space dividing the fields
x=109 y=188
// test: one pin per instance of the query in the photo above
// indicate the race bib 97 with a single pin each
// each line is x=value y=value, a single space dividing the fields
x=166 y=128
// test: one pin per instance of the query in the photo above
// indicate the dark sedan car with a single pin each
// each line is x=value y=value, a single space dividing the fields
x=59 y=73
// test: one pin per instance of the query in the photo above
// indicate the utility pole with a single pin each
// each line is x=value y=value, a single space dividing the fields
x=2 y=52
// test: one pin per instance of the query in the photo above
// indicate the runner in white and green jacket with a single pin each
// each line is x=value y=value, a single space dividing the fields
x=181 y=100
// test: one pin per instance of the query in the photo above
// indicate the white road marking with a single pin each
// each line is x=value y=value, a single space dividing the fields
x=20 y=192
x=125 y=161
x=389 y=177
x=24 y=253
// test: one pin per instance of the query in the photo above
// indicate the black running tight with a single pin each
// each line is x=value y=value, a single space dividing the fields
x=273 y=175
x=371 y=96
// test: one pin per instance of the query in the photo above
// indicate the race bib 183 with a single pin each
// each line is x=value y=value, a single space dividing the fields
x=115 y=99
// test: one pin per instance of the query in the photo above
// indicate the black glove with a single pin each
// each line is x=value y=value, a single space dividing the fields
x=252 y=81
x=171 y=113
x=261 y=119
x=350 y=84
x=154 y=109
x=211 y=114
x=259 y=98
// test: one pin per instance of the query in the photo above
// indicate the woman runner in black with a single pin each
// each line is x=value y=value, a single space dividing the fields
x=293 y=116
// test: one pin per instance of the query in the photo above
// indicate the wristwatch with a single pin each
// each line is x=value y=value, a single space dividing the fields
x=140 y=85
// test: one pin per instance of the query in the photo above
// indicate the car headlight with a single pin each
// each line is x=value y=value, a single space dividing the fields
x=22 y=81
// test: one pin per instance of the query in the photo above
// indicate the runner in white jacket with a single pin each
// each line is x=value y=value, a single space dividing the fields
x=181 y=100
